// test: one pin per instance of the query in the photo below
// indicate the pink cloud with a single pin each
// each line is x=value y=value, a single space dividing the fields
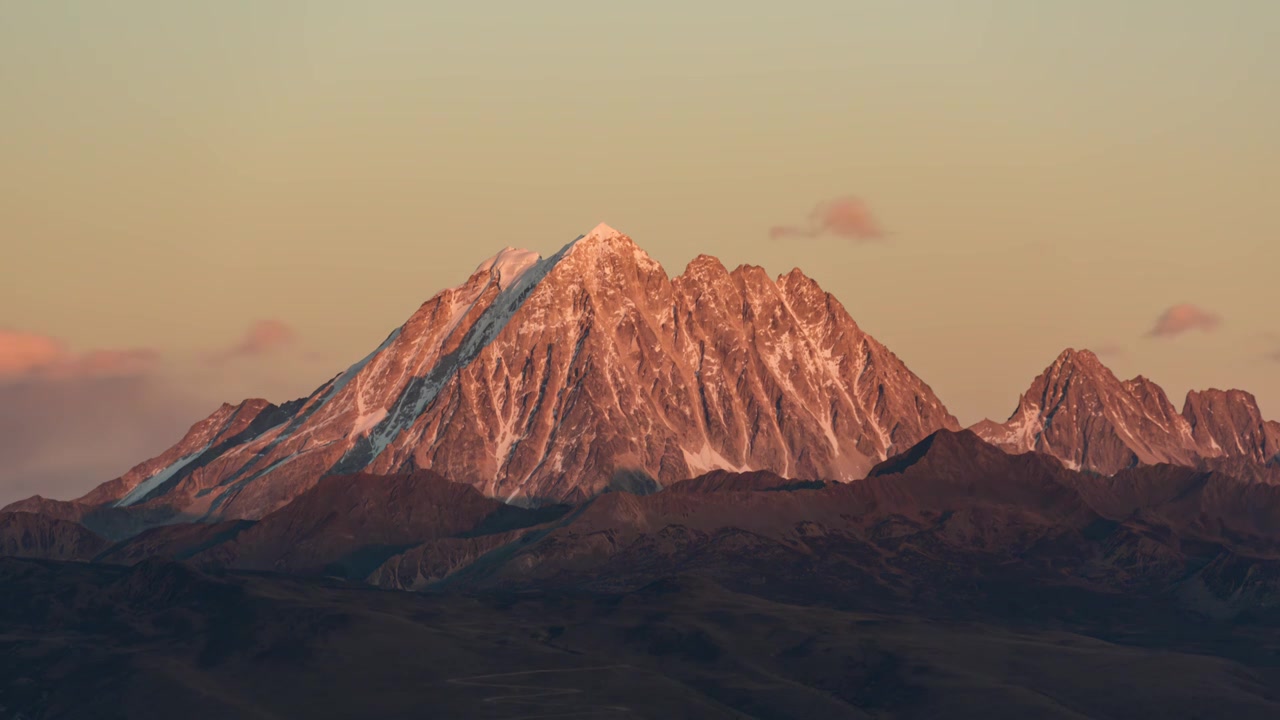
x=26 y=355
x=1184 y=318
x=108 y=363
x=263 y=337
x=845 y=217
x=69 y=421
x=22 y=352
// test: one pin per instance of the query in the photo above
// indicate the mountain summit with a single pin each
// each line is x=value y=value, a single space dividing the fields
x=1078 y=411
x=543 y=379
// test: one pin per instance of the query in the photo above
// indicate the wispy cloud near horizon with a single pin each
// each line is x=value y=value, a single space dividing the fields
x=27 y=355
x=263 y=337
x=70 y=420
x=1184 y=318
x=846 y=217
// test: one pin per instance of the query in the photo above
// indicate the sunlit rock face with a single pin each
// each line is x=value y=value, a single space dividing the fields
x=549 y=379
x=1078 y=411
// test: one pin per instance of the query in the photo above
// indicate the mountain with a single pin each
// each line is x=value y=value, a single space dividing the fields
x=112 y=523
x=1078 y=411
x=29 y=535
x=953 y=568
x=229 y=426
x=349 y=522
x=952 y=523
x=541 y=380
x=1228 y=423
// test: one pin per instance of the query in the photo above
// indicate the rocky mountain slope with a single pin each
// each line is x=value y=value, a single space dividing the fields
x=953 y=519
x=953 y=522
x=30 y=535
x=542 y=380
x=1078 y=411
x=1228 y=424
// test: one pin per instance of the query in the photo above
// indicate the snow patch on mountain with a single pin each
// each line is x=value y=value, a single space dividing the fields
x=509 y=265
x=144 y=488
x=366 y=421
x=414 y=401
x=537 y=379
x=707 y=459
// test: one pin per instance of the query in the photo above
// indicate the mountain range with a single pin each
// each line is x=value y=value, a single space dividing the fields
x=1078 y=411
x=548 y=380
x=718 y=480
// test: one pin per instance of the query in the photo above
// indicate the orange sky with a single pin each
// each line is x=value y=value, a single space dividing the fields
x=1040 y=175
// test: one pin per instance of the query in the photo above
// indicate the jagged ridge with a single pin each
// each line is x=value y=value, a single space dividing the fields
x=538 y=380
x=1078 y=411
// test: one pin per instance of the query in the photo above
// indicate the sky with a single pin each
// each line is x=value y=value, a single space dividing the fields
x=204 y=202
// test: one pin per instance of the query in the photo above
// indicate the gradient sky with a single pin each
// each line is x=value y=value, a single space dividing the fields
x=1048 y=174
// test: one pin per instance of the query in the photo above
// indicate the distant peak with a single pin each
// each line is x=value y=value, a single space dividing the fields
x=747 y=270
x=603 y=238
x=1214 y=396
x=950 y=446
x=705 y=264
x=1231 y=393
x=602 y=232
x=1072 y=360
x=1080 y=368
x=603 y=244
x=1073 y=355
x=797 y=278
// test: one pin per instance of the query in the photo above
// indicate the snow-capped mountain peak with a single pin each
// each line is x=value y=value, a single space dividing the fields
x=602 y=232
x=540 y=379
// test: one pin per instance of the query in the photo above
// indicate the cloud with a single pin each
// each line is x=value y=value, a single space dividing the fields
x=1184 y=318
x=845 y=217
x=69 y=421
x=21 y=353
x=60 y=437
x=262 y=338
x=27 y=356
